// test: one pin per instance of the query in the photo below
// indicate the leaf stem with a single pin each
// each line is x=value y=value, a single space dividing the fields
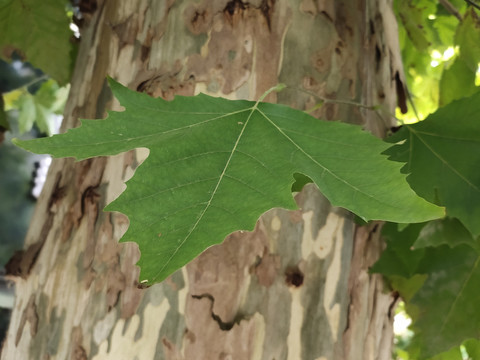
x=277 y=88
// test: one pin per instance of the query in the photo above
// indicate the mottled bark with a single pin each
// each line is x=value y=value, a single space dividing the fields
x=298 y=286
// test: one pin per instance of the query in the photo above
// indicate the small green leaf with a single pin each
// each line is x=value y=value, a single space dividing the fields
x=27 y=111
x=216 y=165
x=443 y=155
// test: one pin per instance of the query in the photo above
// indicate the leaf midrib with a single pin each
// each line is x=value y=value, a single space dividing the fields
x=222 y=175
x=142 y=137
x=444 y=322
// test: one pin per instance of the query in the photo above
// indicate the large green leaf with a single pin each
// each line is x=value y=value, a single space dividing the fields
x=216 y=165
x=40 y=30
x=443 y=157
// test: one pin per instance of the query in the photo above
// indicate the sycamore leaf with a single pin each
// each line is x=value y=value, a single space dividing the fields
x=447 y=303
x=216 y=165
x=399 y=258
x=457 y=81
x=472 y=347
x=443 y=157
x=466 y=37
x=40 y=30
x=439 y=284
x=445 y=231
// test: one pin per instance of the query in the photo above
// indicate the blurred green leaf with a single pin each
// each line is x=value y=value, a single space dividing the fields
x=413 y=15
x=472 y=346
x=399 y=258
x=445 y=27
x=447 y=231
x=27 y=113
x=467 y=38
x=3 y=116
x=447 y=303
x=442 y=155
x=39 y=108
x=452 y=354
x=407 y=287
x=457 y=81
x=40 y=30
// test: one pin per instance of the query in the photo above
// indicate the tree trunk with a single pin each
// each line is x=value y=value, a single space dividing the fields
x=298 y=286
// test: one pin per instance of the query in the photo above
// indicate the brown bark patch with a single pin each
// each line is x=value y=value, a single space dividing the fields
x=78 y=351
x=198 y=19
x=267 y=269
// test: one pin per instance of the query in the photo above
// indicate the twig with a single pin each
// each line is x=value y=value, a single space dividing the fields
x=323 y=100
x=475 y=5
x=34 y=81
x=451 y=9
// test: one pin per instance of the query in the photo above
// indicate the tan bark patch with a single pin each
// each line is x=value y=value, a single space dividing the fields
x=29 y=315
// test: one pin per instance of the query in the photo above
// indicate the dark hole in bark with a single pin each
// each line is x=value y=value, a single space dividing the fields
x=401 y=94
x=294 y=277
x=378 y=57
x=233 y=5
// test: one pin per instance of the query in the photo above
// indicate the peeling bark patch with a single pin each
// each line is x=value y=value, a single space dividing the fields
x=266 y=7
x=78 y=352
x=89 y=196
x=166 y=83
x=116 y=284
x=294 y=277
x=190 y=336
x=58 y=192
x=234 y=7
x=30 y=315
x=225 y=326
x=198 y=20
x=22 y=261
x=168 y=345
x=266 y=269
